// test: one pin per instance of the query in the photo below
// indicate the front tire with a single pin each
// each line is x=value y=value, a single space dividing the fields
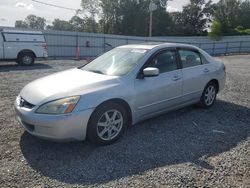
x=209 y=95
x=107 y=124
x=26 y=59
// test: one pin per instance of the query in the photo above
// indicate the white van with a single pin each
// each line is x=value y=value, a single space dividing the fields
x=22 y=46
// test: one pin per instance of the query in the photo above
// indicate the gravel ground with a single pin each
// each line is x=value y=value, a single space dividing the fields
x=190 y=147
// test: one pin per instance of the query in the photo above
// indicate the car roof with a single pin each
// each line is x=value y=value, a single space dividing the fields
x=150 y=46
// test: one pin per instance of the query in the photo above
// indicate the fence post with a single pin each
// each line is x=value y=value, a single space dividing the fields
x=240 y=47
x=226 y=48
x=213 y=48
x=78 y=53
x=104 y=44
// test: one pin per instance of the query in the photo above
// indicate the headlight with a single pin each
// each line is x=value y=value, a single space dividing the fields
x=61 y=106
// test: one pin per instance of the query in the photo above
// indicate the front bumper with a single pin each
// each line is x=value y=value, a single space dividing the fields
x=67 y=127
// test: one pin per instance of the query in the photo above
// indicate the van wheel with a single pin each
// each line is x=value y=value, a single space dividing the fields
x=107 y=124
x=25 y=58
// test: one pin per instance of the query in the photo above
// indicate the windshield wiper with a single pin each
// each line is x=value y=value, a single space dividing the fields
x=96 y=71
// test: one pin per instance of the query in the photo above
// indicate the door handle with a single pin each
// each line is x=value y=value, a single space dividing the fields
x=205 y=70
x=175 y=78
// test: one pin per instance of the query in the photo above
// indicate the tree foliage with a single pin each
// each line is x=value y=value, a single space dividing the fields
x=21 y=24
x=32 y=22
x=131 y=17
x=63 y=25
x=233 y=17
x=163 y=23
x=216 y=32
x=227 y=14
x=242 y=31
x=244 y=12
x=195 y=17
x=90 y=10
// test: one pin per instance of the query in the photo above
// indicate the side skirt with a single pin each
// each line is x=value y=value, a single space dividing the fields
x=163 y=111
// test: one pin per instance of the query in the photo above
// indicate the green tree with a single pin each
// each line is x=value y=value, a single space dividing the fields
x=227 y=13
x=242 y=31
x=74 y=24
x=131 y=17
x=194 y=18
x=134 y=17
x=32 y=22
x=77 y=23
x=233 y=16
x=244 y=13
x=21 y=24
x=216 y=31
x=110 y=19
x=91 y=10
x=162 y=23
x=35 y=22
x=63 y=25
x=178 y=27
x=91 y=25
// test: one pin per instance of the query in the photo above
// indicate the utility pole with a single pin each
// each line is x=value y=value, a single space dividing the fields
x=150 y=23
x=152 y=7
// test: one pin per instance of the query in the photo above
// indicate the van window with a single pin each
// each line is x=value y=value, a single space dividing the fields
x=189 y=58
x=23 y=37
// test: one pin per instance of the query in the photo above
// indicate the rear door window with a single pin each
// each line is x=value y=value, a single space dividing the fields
x=189 y=58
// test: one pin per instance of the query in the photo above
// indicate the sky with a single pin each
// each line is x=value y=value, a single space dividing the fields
x=12 y=10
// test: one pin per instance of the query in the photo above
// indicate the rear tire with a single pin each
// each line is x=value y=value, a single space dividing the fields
x=107 y=124
x=208 y=96
x=26 y=59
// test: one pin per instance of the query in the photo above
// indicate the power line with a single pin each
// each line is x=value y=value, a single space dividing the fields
x=53 y=5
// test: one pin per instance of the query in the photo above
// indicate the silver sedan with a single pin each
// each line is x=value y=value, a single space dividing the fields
x=120 y=88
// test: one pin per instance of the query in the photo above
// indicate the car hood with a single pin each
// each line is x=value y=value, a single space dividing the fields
x=64 y=84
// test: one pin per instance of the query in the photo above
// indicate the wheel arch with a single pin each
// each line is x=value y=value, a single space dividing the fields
x=26 y=51
x=121 y=102
x=216 y=82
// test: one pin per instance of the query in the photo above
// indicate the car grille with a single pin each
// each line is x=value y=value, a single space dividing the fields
x=25 y=104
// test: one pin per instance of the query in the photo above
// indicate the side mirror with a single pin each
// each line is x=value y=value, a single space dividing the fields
x=150 y=72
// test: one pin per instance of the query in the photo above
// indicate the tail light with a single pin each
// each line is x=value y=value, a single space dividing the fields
x=45 y=47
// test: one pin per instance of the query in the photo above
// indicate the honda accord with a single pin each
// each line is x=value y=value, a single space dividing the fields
x=119 y=88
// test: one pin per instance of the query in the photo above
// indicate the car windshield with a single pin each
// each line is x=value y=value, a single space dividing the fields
x=116 y=62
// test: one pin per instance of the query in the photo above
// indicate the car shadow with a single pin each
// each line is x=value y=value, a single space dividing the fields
x=15 y=67
x=189 y=135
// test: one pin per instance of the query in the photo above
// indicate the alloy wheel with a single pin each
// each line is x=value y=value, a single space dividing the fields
x=109 y=125
x=210 y=95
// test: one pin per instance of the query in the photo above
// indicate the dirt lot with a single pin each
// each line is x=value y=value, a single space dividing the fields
x=190 y=147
